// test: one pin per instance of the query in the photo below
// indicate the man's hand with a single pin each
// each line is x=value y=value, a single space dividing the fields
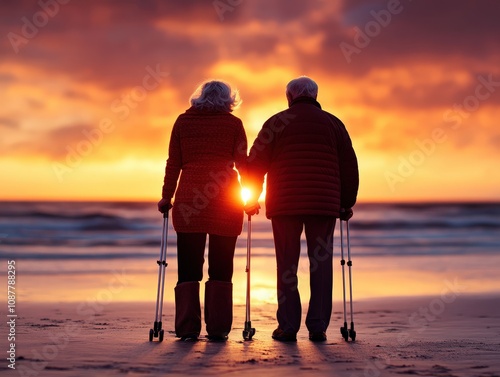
x=252 y=208
x=345 y=214
x=164 y=205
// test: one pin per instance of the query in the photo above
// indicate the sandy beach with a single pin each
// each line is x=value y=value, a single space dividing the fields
x=447 y=335
x=426 y=298
x=90 y=94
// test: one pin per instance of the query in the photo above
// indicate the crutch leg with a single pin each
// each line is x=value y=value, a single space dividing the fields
x=343 y=329
x=352 y=333
x=248 y=331
x=157 y=331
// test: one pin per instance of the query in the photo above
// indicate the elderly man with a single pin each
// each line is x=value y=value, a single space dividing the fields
x=312 y=179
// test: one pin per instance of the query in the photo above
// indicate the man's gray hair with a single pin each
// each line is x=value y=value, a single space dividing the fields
x=215 y=95
x=301 y=87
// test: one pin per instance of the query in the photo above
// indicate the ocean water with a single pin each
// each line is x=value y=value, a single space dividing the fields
x=70 y=251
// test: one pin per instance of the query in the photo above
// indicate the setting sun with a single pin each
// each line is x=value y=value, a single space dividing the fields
x=246 y=194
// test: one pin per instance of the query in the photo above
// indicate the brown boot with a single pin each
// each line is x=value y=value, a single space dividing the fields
x=218 y=309
x=187 y=310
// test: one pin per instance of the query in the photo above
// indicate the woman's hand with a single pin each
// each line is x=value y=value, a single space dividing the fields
x=164 y=205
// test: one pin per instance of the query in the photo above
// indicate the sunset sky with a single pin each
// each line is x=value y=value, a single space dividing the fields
x=89 y=90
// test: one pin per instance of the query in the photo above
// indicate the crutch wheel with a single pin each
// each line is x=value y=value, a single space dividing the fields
x=345 y=333
x=352 y=335
x=151 y=334
x=248 y=334
x=160 y=337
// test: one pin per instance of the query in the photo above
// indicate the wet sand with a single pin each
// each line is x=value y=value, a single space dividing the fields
x=447 y=335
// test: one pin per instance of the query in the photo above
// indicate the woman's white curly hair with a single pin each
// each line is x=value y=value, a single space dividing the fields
x=215 y=95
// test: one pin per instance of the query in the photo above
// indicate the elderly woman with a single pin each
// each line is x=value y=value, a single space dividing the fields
x=207 y=142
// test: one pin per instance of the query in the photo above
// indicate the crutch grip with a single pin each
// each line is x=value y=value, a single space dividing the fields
x=345 y=214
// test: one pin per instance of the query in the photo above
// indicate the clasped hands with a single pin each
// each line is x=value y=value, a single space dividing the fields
x=252 y=208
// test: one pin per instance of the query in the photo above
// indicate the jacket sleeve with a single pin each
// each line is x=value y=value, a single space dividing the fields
x=259 y=157
x=349 y=174
x=174 y=164
x=240 y=152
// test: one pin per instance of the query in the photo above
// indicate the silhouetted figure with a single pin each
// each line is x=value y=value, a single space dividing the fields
x=207 y=141
x=312 y=173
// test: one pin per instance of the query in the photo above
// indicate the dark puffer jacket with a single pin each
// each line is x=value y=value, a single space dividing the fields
x=309 y=160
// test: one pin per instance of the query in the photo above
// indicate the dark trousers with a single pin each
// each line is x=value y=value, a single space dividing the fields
x=191 y=256
x=319 y=236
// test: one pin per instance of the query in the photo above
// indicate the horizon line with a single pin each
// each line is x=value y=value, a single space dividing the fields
x=262 y=202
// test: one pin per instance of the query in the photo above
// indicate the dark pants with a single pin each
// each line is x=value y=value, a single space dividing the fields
x=319 y=236
x=191 y=256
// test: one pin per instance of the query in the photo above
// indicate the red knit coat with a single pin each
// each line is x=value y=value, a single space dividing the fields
x=204 y=149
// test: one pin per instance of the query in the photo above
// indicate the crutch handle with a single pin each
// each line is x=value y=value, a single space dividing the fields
x=166 y=209
x=345 y=214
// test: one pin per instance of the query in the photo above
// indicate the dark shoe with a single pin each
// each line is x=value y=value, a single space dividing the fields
x=284 y=336
x=216 y=338
x=317 y=336
x=190 y=338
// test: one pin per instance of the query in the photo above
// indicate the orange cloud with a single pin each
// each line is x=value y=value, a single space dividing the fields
x=410 y=84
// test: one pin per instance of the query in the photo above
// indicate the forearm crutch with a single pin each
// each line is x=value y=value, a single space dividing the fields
x=343 y=330
x=157 y=331
x=248 y=331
